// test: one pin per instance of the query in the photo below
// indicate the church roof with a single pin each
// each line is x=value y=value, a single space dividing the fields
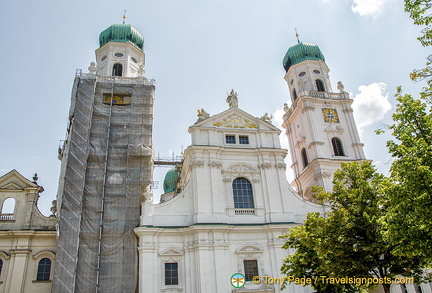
x=123 y=33
x=301 y=52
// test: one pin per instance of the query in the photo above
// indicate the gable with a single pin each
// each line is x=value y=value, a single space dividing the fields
x=15 y=181
x=235 y=118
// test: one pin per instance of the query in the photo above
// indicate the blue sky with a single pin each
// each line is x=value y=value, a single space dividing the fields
x=197 y=50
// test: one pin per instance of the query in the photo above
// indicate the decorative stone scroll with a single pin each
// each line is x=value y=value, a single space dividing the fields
x=215 y=164
x=241 y=170
x=197 y=163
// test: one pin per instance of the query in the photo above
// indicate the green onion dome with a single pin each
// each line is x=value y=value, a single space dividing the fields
x=123 y=33
x=170 y=181
x=301 y=52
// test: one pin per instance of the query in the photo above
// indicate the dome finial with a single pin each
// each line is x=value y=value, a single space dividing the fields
x=124 y=16
x=297 y=35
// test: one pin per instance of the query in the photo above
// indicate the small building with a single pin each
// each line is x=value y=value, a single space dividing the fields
x=27 y=238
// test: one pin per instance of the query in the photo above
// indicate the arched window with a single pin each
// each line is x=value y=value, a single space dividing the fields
x=304 y=157
x=44 y=270
x=117 y=69
x=1 y=266
x=337 y=147
x=320 y=85
x=243 y=196
x=294 y=94
x=8 y=206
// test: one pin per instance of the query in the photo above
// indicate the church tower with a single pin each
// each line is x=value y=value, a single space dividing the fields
x=107 y=163
x=319 y=123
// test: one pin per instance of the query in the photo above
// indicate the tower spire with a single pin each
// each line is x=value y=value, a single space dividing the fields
x=297 y=35
x=124 y=16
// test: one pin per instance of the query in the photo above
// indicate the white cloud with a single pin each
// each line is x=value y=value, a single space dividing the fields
x=371 y=104
x=371 y=8
x=278 y=117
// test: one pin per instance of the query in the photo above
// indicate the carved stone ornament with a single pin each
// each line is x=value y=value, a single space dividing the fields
x=348 y=109
x=300 y=142
x=227 y=179
x=307 y=107
x=281 y=166
x=334 y=129
x=197 y=163
x=322 y=174
x=235 y=121
x=265 y=166
x=215 y=164
x=241 y=168
x=302 y=83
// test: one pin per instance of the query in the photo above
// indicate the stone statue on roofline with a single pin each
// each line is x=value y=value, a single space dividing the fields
x=267 y=118
x=232 y=99
x=202 y=115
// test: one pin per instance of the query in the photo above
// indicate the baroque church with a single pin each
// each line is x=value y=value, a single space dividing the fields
x=225 y=204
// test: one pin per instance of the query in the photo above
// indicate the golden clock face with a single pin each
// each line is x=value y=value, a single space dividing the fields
x=330 y=115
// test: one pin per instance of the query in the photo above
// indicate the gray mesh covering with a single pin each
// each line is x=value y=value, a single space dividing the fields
x=87 y=193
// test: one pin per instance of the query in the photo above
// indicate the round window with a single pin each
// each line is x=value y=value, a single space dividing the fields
x=302 y=73
x=118 y=54
x=134 y=60
x=316 y=71
x=103 y=58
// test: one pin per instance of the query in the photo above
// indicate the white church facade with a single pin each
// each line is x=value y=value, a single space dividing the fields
x=233 y=204
x=217 y=228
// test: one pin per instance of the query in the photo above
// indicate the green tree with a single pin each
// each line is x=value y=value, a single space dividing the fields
x=349 y=240
x=409 y=214
x=419 y=11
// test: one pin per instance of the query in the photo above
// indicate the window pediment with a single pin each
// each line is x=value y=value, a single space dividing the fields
x=171 y=252
x=249 y=249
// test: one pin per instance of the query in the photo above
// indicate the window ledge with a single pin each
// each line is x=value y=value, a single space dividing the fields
x=42 y=281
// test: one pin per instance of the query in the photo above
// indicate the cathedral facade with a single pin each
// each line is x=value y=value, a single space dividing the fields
x=218 y=226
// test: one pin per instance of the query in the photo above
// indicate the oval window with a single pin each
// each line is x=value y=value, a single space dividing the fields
x=292 y=81
x=316 y=71
x=134 y=60
x=302 y=73
x=118 y=54
x=103 y=58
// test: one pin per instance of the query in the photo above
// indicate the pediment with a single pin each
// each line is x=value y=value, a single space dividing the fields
x=15 y=181
x=171 y=252
x=235 y=118
x=249 y=249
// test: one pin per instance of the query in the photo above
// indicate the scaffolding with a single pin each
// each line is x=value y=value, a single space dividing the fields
x=107 y=163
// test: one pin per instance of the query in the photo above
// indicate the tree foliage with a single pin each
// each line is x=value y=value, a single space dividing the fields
x=349 y=241
x=419 y=11
x=409 y=214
